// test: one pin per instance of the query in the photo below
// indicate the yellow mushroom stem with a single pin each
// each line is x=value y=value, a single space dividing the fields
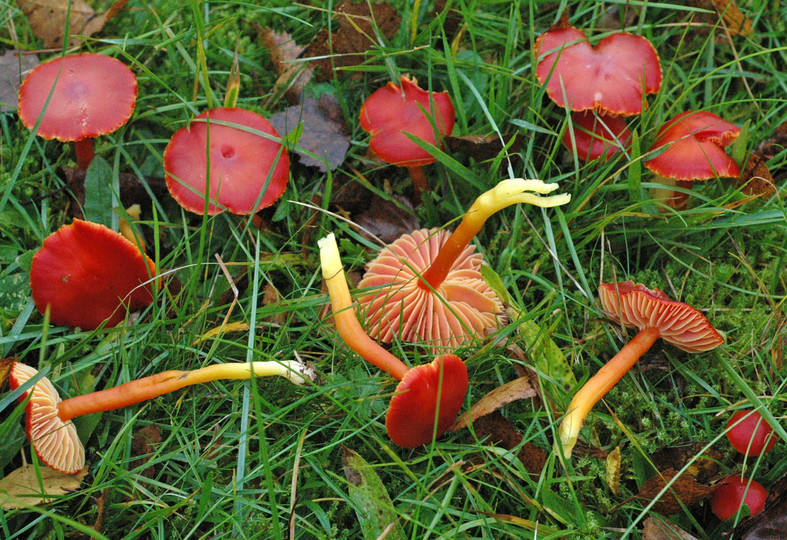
x=169 y=381
x=600 y=384
x=505 y=193
x=344 y=316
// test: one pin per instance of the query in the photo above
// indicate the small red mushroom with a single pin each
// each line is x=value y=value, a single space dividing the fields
x=609 y=78
x=597 y=135
x=48 y=419
x=695 y=142
x=735 y=491
x=656 y=316
x=248 y=171
x=86 y=274
x=93 y=95
x=427 y=286
x=392 y=111
x=749 y=433
x=429 y=396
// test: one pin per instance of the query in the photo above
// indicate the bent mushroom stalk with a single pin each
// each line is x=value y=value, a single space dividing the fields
x=426 y=286
x=656 y=316
x=54 y=436
x=428 y=397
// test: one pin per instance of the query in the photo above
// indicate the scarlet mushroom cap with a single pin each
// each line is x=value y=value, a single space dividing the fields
x=461 y=307
x=735 y=491
x=695 y=142
x=86 y=274
x=597 y=135
x=392 y=111
x=749 y=433
x=608 y=78
x=55 y=442
x=93 y=95
x=248 y=172
x=410 y=420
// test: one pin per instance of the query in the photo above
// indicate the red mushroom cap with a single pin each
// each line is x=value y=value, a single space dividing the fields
x=735 y=491
x=55 y=442
x=240 y=163
x=696 y=142
x=678 y=323
x=464 y=306
x=94 y=95
x=87 y=274
x=392 y=111
x=749 y=433
x=593 y=138
x=411 y=415
x=607 y=78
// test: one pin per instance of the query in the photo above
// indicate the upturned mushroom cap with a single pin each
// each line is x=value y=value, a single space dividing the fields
x=55 y=442
x=463 y=307
x=392 y=111
x=678 y=323
x=94 y=95
x=410 y=421
x=607 y=78
x=87 y=274
x=696 y=142
x=248 y=172
x=597 y=135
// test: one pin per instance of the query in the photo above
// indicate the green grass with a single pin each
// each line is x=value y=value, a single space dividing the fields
x=227 y=458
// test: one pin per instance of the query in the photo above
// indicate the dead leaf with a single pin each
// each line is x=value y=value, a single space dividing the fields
x=143 y=444
x=49 y=18
x=324 y=132
x=13 y=68
x=271 y=296
x=283 y=51
x=613 y=470
x=386 y=220
x=5 y=368
x=521 y=388
x=704 y=468
x=356 y=35
x=655 y=528
x=500 y=432
x=737 y=23
x=685 y=488
x=21 y=488
x=484 y=147
x=755 y=178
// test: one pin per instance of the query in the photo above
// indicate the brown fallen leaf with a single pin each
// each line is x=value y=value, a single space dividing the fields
x=21 y=488
x=521 y=388
x=49 y=18
x=386 y=220
x=14 y=65
x=656 y=528
x=356 y=35
x=613 y=470
x=500 y=432
x=143 y=444
x=283 y=52
x=685 y=488
x=5 y=368
x=704 y=468
x=483 y=147
x=755 y=178
x=737 y=23
x=324 y=132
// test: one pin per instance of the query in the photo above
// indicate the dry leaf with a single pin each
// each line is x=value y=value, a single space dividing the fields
x=655 y=528
x=21 y=488
x=521 y=388
x=386 y=220
x=483 y=147
x=500 y=432
x=13 y=68
x=49 y=18
x=704 y=468
x=737 y=23
x=613 y=470
x=142 y=446
x=5 y=368
x=324 y=131
x=283 y=51
x=685 y=488
x=755 y=178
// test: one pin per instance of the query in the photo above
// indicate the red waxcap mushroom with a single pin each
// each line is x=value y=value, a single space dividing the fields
x=608 y=78
x=86 y=274
x=733 y=492
x=55 y=441
x=749 y=433
x=427 y=286
x=597 y=135
x=426 y=393
x=248 y=171
x=695 y=142
x=93 y=95
x=392 y=111
x=656 y=316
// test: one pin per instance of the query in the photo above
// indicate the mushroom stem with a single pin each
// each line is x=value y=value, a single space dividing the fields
x=601 y=383
x=84 y=152
x=667 y=195
x=169 y=381
x=344 y=316
x=505 y=193
x=420 y=183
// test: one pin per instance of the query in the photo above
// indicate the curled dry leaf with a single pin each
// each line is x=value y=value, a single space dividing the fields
x=49 y=18
x=703 y=467
x=685 y=488
x=521 y=388
x=14 y=65
x=613 y=470
x=283 y=52
x=21 y=488
x=755 y=178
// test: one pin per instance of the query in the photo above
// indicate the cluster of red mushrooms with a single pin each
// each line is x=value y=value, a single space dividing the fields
x=425 y=288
